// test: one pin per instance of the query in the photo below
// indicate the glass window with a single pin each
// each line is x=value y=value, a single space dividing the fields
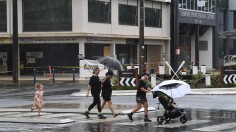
x=99 y=11
x=126 y=54
x=47 y=15
x=153 y=17
x=93 y=51
x=128 y=15
x=3 y=16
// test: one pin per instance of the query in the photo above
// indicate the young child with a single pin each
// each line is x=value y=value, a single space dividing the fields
x=38 y=98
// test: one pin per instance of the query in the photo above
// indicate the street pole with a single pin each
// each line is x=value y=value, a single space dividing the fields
x=141 y=37
x=174 y=34
x=15 y=46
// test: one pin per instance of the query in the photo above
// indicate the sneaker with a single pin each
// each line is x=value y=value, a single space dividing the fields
x=101 y=116
x=86 y=114
x=147 y=120
x=31 y=109
x=130 y=116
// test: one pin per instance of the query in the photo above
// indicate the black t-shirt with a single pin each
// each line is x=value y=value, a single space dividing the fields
x=140 y=93
x=106 y=88
x=95 y=84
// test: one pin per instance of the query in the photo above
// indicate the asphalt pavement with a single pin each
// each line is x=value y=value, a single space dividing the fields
x=7 y=114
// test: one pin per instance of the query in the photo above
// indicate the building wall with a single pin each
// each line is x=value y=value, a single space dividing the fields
x=205 y=57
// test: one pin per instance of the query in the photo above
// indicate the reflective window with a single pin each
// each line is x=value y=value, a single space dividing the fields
x=99 y=11
x=126 y=54
x=47 y=15
x=198 y=5
x=153 y=17
x=3 y=16
x=128 y=15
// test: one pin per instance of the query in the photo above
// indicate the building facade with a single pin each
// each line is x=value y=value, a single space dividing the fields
x=56 y=32
x=193 y=35
x=226 y=32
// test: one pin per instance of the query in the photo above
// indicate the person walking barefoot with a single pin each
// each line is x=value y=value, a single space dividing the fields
x=107 y=92
x=38 y=98
x=95 y=87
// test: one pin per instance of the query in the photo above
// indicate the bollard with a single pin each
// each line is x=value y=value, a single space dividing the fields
x=153 y=80
x=73 y=75
x=208 y=79
x=53 y=75
x=194 y=70
x=34 y=76
x=203 y=69
x=161 y=70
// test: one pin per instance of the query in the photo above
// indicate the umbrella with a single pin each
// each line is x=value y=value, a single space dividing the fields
x=173 y=88
x=111 y=62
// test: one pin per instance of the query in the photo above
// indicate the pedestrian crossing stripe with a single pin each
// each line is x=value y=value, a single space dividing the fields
x=177 y=123
x=60 y=115
x=219 y=127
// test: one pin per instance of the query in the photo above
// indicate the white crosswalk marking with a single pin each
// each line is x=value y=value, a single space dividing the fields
x=179 y=124
x=60 y=115
x=219 y=127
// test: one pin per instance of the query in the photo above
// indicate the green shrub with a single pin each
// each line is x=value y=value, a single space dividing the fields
x=124 y=88
x=197 y=80
x=215 y=80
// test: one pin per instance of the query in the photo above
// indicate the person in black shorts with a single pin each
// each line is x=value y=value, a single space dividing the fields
x=107 y=92
x=141 y=98
x=95 y=87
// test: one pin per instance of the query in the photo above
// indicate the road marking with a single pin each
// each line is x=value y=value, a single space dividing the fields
x=9 y=113
x=94 y=119
x=134 y=123
x=60 y=115
x=141 y=110
x=219 y=127
x=179 y=124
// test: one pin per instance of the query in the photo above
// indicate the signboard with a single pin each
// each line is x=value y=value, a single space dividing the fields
x=228 y=70
x=128 y=73
x=48 y=40
x=34 y=55
x=87 y=66
x=98 y=40
x=129 y=77
x=3 y=62
x=195 y=17
x=229 y=74
x=5 y=40
x=132 y=41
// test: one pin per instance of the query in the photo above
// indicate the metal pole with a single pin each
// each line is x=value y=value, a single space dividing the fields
x=34 y=76
x=141 y=37
x=15 y=46
x=73 y=75
x=174 y=34
x=53 y=75
x=197 y=45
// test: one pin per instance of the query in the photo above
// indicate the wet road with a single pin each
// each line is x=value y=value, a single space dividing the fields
x=204 y=112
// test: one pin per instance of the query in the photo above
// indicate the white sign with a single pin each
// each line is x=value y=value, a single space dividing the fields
x=34 y=55
x=86 y=68
x=3 y=62
x=31 y=60
x=3 y=57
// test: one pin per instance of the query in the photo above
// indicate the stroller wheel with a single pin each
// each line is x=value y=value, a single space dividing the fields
x=160 y=119
x=167 y=119
x=183 y=119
